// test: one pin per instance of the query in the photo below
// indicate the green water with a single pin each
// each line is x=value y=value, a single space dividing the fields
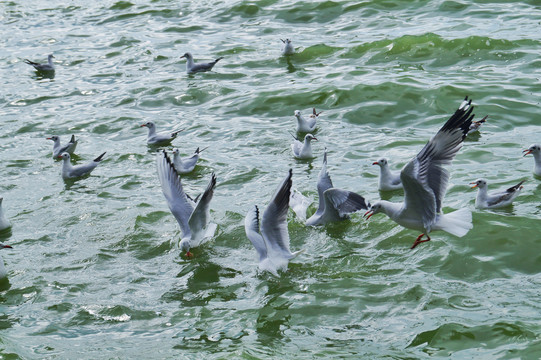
x=95 y=271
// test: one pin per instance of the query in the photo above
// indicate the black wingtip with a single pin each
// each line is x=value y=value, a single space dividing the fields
x=72 y=140
x=461 y=119
x=100 y=158
x=516 y=187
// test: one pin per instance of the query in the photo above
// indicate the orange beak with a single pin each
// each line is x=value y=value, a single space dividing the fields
x=474 y=186
x=368 y=212
x=375 y=163
x=527 y=152
x=143 y=125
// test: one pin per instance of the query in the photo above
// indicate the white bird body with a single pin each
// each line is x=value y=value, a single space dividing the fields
x=303 y=150
x=270 y=237
x=192 y=216
x=185 y=165
x=425 y=180
x=3 y=271
x=49 y=67
x=306 y=125
x=58 y=148
x=334 y=204
x=287 y=48
x=155 y=138
x=388 y=181
x=4 y=222
x=535 y=150
x=497 y=199
x=74 y=171
x=192 y=67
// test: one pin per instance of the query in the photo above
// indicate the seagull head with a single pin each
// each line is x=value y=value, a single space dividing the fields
x=297 y=114
x=185 y=246
x=381 y=162
x=176 y=152
x=310 y=137
x=533 y=149
x=286 y=41
x=479 y=183
x=187 y=56
x=53 y=138
x=149 y=125
x=64 y=156
x=374 y=209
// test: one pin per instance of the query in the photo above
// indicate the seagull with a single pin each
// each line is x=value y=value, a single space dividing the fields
x=306 y=125
x=58 y=148
x=475 y=125
x=159 y=138
x=3 y=271
x=70 y=171
x=4 y=222
x=496 y=199
x=193 y=216
x=334 y=204
x=288 y=48
x=303 y=150
x=42 y=67
x=186 y=165
x=388 y=180
x=192 y=67
x=270 y=237
x=535 y=150
x=425 y=181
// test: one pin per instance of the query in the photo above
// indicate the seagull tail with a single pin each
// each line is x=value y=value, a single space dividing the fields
x=457 y=223
x=99 y=158
x=218 y=59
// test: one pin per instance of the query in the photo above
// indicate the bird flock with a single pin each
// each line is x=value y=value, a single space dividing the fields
x=423 y=180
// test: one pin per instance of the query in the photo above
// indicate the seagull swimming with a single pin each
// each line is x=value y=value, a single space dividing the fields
x=192 y=67
x=4 y=222
x=154 y=138
x=388 y=180
x=42 y=67
x=74 y=171
x=425 y=181
x=3 y=271
x=497 y=199
x=475 y=125
x=193 y=216
x=288 y=48
x=186 y=165
x=334 y=204
x=306 y=125
x=58 y=148
x=271 y=237
x=535 y=150
x=303 y=150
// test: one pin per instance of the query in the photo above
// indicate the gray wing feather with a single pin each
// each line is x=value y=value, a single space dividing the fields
x=324 y=183
x=178 y=202
x=251 y=226
x=274 y=221
x=344 y=202
x=201 y=214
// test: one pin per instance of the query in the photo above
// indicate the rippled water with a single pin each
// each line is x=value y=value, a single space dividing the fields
x=95 y=271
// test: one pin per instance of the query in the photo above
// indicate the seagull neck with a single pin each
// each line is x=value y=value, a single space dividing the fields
x=482 y=193
x=389 y=208
x=50 y=60
x=177 y=158
x=189 y=62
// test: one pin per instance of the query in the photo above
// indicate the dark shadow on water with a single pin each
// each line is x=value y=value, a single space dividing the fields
x=40 y=75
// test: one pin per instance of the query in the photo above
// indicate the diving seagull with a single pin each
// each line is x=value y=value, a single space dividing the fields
x=4 y=222
x=497 y=199
x=287 y=48
x=306 y=125
x=475 y=125
x=535 y=150
x=58 y=148
x=192 y=67
x=388 y=180
x=49 y=67
x=303 y=150
x=425 y=181
x=270 y=236
x=334 y=204
x=155 y=138
x=3 y=271
x=193 y=216
x=187 y=164
x=74 y=171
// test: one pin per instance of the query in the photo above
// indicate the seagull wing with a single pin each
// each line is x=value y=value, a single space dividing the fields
x=200 y=216
x=344 y=202
x=424 y=177
x=178 y=202
x=274 y=221
x=251 y=226
x=324 y=183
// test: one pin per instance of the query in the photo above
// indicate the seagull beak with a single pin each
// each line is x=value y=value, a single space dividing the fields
x=315 y=138
x=48 y=138
x=189 y=254
x=474 y=185
x=183 y=56
x=143 y=125
x=368 y=212
x=7 y=247
x=375 y=163
x=526 y=152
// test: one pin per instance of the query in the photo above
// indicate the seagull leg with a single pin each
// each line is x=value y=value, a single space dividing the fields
x=418 y=240
x=189 y=254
